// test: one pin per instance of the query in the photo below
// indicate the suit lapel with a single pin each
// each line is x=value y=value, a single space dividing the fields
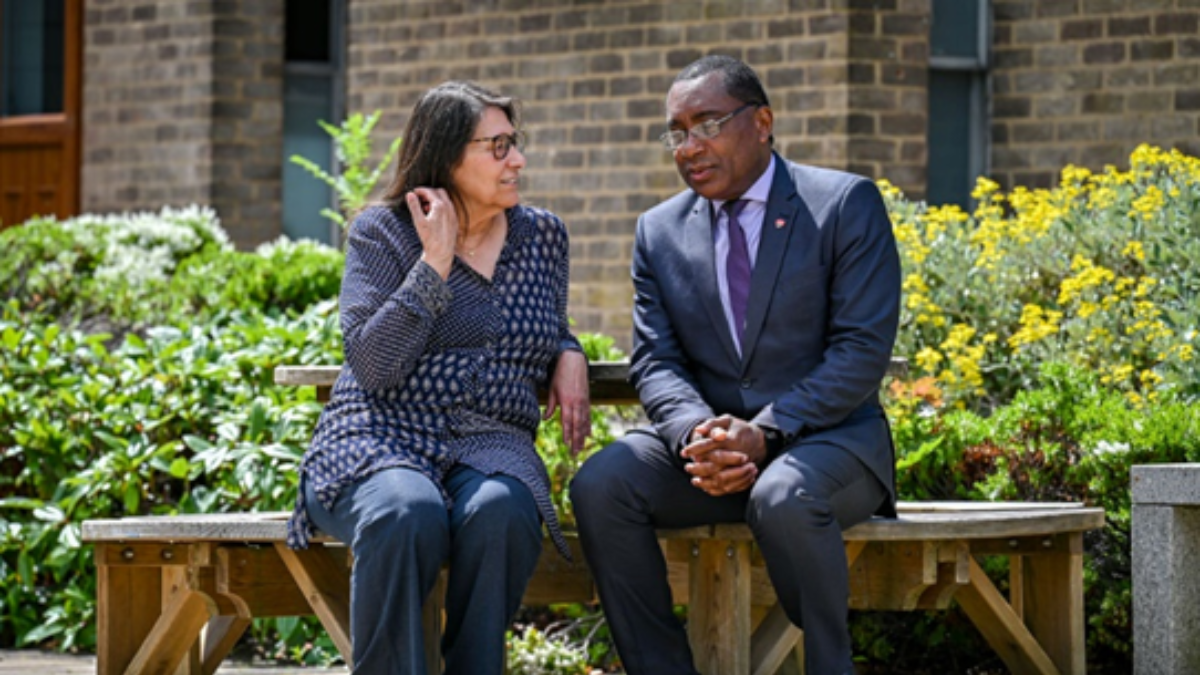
x=702 y=260
x=779 y=221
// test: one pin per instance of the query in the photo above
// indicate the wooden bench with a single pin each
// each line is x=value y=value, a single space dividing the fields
x=176 y=593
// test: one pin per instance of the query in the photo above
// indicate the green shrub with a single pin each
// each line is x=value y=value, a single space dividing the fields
x=184 y=420
x=1070 y=437
x=131 y=271
x=1052 y=335
x=1096 y=272
x=285 y=277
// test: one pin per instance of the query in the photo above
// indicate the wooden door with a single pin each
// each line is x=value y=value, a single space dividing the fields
x=40 y=76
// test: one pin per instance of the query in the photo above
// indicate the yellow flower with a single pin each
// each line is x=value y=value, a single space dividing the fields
x=928 y=358
x=1087 y=276
x=1149 y=204
x=888 y=190
x=1074 y=175
x=1036 y=324
x=1134 y=250
x=983 y=188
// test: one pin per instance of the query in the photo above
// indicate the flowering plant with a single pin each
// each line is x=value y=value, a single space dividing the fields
x=1094 y=272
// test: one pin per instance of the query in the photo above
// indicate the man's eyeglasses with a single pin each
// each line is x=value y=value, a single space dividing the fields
x=501 y=143
x=705 y=131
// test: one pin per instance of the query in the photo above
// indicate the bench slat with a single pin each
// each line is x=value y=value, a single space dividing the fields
x=938 y=520
x=610 y=375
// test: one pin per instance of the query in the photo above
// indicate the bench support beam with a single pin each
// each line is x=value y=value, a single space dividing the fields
x=327 y=589
x=1001 y=626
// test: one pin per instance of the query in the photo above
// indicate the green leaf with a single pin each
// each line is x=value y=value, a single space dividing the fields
x=132 y=497
x=49 y=513
x=196 y=443
x=180 y=468
x=24 y=503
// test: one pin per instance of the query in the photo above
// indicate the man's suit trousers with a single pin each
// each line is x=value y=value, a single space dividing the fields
x=797 y=510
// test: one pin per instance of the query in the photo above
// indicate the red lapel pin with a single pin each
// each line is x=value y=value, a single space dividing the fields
x=780 y=222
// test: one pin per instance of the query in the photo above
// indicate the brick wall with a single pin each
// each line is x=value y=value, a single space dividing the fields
x=846 y=81
x=1085 y=81
x=183 y=104
x=888 y=99
x=247 y=114
x=183 y=99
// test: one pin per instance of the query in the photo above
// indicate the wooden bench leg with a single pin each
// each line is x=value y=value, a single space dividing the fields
x=1001 y=626
x=219 y=638
x=185 y=612
x=719 y=608
x=128 y=601
x=1053 y=596
x=774 y=641
x=326 y=584
x=175 y=583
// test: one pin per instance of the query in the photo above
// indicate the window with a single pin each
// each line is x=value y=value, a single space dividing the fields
x=312 y=85
x=960 y=43
x=31 y=58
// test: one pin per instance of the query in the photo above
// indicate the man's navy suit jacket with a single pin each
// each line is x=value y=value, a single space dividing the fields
x=820 y=324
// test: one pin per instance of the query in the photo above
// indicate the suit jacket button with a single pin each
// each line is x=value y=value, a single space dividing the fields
x=746 y=384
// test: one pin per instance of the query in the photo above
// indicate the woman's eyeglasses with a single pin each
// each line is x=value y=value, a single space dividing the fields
x=501 y=143
x=705 y=131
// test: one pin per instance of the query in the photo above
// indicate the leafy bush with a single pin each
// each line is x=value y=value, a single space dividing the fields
x=1053 y=336
x=1096 y=272
x=184 y=420
x=107 y=264
x=282 y=277
x=134 y=270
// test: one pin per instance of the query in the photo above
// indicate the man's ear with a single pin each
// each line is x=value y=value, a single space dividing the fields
x=764 y=121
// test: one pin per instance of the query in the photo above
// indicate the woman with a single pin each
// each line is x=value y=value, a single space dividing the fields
x=453 y=310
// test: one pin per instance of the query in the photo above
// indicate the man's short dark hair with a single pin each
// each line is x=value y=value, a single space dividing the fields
x=740 y=80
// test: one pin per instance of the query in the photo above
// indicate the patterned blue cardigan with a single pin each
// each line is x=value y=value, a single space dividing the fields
x=441 y=372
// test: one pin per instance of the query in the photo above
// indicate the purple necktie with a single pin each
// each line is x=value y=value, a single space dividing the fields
x=737 y=267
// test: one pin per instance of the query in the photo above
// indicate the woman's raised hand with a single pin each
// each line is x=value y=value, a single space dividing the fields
x=436 y=221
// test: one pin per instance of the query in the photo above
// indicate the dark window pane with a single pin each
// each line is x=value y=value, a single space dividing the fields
x=308 y=31
x=955 y=29
x=950 y=178
x=31 y=58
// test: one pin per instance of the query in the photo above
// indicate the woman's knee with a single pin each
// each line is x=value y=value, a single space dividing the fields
x=498 y=507
x=403 y=527
x=397 y=510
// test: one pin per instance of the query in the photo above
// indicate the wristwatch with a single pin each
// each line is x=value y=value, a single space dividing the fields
x=773 y=439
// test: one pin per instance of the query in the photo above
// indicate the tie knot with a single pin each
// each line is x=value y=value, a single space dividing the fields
x=733 y=207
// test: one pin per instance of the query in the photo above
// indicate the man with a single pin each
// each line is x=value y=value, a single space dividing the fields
x=760 y=376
